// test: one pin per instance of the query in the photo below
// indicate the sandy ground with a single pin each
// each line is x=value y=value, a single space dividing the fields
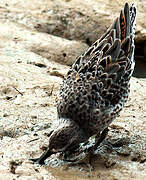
x=32 y=65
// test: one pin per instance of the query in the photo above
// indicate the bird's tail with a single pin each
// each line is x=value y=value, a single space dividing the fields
x=114 y=51
x=125 y=24
x=132 y=20
x=132 y=33
x=122 y=32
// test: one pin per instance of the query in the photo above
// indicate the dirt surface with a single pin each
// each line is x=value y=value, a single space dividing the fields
x=39 y=40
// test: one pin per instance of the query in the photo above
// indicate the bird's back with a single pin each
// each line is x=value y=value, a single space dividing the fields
x=97 y=85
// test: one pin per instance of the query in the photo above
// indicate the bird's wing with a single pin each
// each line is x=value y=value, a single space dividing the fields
x=98 y=81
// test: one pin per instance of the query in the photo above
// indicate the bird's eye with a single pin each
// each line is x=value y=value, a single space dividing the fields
x=53 y=150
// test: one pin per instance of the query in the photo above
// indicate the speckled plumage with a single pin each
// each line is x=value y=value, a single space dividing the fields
x=96 y=87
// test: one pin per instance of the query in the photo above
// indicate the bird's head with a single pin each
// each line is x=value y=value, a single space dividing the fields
x=66 y=138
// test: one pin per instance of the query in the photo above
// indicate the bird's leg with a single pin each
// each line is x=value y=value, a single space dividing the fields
x=42 y=158
x=100 y=138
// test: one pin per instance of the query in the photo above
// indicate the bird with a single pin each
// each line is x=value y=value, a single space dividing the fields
x=95 y=88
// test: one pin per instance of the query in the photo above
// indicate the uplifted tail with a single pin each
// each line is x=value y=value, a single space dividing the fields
x=125 y=24
x=132 y=33
x=121 y=35
x=127 y=21
x=114 y=51
x=132 y=20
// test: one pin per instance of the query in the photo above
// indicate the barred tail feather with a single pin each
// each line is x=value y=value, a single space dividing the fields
x=132 y=33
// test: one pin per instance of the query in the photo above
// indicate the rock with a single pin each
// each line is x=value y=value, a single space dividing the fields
x=58 y=49
x=51 y=47
x=74 y=20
